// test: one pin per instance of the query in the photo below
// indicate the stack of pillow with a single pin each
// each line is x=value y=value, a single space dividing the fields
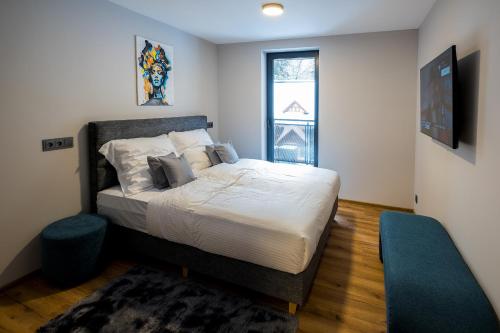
x=164 y=161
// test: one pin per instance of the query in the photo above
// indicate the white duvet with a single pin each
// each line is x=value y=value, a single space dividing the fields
x=260 y=212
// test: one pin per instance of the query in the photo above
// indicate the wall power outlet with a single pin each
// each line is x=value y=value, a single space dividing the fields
x=57 y=143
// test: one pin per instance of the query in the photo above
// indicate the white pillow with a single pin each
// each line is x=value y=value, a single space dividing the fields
x=197 y=158
x=190 y=139
x=192 y=145
x=129 y=157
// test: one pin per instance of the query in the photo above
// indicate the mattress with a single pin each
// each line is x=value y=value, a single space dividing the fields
x=256 y=211
x=260 y=212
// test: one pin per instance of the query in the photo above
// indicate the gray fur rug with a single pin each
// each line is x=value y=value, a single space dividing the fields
x=150 y=300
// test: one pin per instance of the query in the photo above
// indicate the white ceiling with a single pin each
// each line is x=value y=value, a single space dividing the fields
x=230 y=21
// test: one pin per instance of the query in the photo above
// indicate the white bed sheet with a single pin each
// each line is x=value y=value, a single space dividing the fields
x=127 y=211
x=260 y=212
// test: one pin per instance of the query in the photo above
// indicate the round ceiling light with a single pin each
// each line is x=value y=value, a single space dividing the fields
x=272 y=9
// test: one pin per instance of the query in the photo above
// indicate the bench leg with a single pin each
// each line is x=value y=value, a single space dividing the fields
x=292 y=308
x=185 y=272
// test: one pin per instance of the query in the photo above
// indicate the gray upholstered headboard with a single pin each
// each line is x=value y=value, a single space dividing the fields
x=102 y=173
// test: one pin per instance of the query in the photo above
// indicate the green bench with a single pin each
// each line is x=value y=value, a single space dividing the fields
x=428 y=286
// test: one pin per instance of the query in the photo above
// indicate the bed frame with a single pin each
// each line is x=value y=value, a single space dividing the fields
x=293 y=288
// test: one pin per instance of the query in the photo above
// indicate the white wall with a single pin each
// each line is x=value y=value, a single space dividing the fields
x=367 y=93
x=462 y=188
x=65 y=63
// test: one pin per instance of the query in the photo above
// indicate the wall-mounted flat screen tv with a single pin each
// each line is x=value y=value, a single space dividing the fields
x=438 y=98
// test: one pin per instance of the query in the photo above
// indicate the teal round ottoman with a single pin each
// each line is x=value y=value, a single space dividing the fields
x=71 y=248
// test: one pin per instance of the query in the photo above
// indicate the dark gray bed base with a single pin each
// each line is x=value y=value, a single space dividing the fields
x=286 y=286
x=293 y=288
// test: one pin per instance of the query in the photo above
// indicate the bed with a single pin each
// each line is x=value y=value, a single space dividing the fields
x=233 y=223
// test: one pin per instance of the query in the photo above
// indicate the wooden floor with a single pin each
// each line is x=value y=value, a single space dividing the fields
x=347 y=296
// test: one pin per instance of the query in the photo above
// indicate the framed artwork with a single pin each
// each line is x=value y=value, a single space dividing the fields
x=155 y=76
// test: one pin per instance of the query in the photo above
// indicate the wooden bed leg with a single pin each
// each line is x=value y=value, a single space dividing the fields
x=292 y=308
x=185 y=272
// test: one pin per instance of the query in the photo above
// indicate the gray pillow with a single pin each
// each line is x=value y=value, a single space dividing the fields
x=226 y=153
x=212 y=155
x=160 y=180
x=177 y=170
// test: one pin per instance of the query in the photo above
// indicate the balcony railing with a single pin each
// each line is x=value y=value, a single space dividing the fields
x=294 y=141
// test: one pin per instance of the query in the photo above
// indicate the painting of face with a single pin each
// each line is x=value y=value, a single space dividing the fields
x=155 y=79
x=157 y=76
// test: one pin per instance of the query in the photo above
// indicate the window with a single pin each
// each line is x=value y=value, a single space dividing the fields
x=292 y=107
